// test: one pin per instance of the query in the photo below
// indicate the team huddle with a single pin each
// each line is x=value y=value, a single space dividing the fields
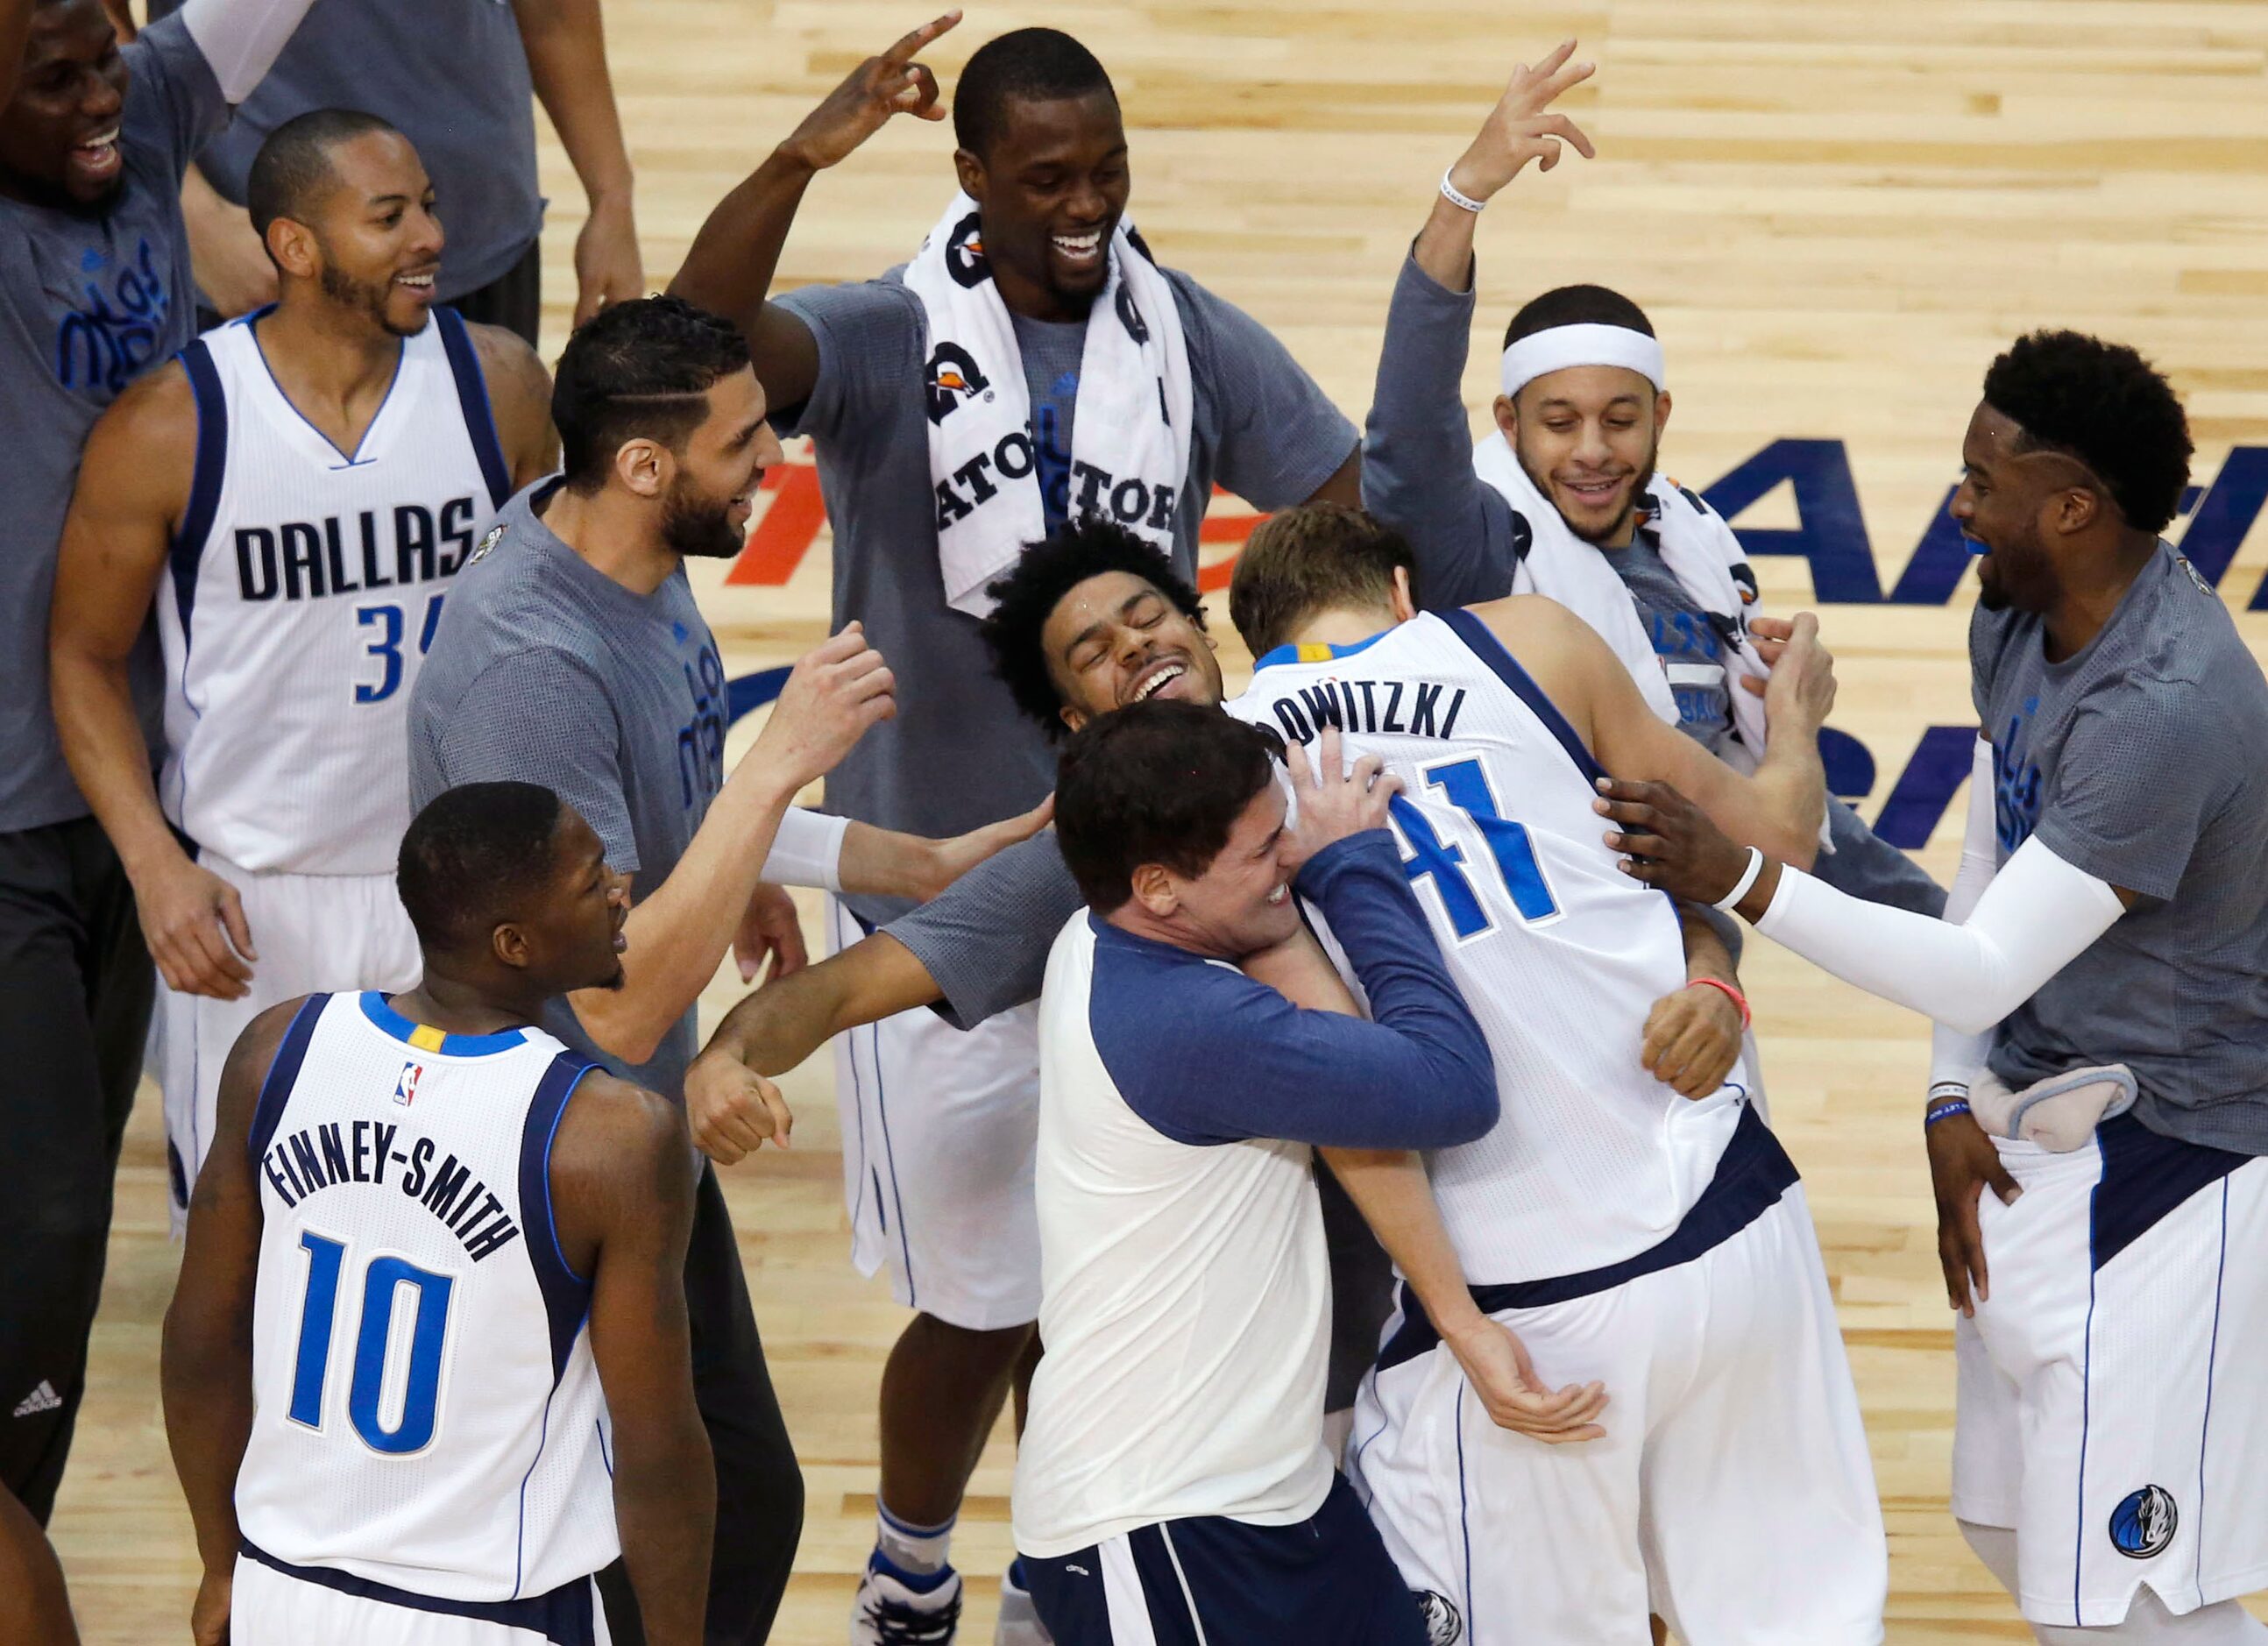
x=1327 y=1112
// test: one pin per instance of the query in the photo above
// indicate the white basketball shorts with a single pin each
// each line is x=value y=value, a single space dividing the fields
x=330 y=933
x=2111 y=1408
x=269 y=1607
x=1733 y=1493
x=939 y=1130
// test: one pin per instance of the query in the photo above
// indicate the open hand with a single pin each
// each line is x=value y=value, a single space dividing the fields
x=1334 y=801
x=193 y=922
x=1671 y=844
x=1497 y=1365
x=732 y=1108
x=1522 y=127
x=892 y=83
x=1962 y=1162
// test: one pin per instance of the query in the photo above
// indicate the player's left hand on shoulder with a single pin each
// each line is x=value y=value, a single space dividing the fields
x=1692 y=1039
x=1669 y=842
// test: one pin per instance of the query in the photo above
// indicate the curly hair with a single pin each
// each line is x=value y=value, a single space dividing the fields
x=1025 y=599
x=2104 y=404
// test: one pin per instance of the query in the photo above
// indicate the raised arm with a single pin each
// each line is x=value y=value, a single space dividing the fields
x=205 y=1361
x=1417 y=472
x=519 y=401
x=623 y=1192
x=133 y=488
x=729 y=269
x=240 y=40
x=566 y=45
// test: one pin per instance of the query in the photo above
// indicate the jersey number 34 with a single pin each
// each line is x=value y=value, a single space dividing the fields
x=420 y=1381
x=1465 y=784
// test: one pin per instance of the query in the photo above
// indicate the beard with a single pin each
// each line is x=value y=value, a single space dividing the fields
x=366 y=298
x=698 y=526
x=1597 y=537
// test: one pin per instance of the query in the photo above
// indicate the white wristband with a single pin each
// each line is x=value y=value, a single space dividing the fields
x=808 y=850
x=1747 y=879
x=1458 y=198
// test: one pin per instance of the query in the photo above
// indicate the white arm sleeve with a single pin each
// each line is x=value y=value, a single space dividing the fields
x=1956 y=1058
x=2038 y=915
x=808 y=850
x=241 y=39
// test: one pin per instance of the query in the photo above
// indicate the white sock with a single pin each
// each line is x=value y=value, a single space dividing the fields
x=918 y=1550
x=2147 y=1621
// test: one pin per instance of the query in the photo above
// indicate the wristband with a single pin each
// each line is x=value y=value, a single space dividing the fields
x=1458 y=198
x=1740 y=887
x=1944 y=1111
x=1729 y=992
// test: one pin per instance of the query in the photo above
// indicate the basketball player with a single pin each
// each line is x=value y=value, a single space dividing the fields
x=2101 y=998
x=304 y=486
x=917 y=389
x=96 y=288
x=1173 y=1483
x=427 y=1368
x=1563 y=497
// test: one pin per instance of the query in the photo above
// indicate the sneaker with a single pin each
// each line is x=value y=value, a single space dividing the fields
x=895 y=1607
x=1019 y=1622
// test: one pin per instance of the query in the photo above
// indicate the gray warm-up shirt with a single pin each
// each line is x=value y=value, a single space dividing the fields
x=546 y=670
x=959 y=753
x=452 y=75
x=89 y=300
x=2138 y=760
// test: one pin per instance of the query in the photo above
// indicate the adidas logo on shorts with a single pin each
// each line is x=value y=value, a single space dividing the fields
x=43 y=1398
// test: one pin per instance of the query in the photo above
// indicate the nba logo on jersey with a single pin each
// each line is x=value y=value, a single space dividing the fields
x=405 y=1086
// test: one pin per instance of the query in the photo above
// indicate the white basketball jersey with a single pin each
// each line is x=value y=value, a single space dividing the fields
x=427 y=1412
x=305 y=588
x=1559 y=953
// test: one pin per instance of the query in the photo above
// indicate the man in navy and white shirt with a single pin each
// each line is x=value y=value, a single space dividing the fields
x=1173 y=1482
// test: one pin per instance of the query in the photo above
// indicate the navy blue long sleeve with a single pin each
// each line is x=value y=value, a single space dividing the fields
x=1206 y=1055
x=1417 y=451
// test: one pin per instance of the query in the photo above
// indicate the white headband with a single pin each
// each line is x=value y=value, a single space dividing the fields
x=1559 y=347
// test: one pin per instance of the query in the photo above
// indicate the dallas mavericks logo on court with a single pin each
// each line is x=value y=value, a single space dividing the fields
x=2143 y=1523
x=405 y=1088
x=954 y=377
x=1443 y=1625
x=495 y=536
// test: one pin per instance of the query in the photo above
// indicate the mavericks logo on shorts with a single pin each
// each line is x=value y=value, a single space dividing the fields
x=1443 y=1625
x=2143 y=1523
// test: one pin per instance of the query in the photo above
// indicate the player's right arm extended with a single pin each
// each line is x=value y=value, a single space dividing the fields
x=729 y=269
x=624 y=1190
x=205 y=1361
x=731 y=1104
x=133 y=488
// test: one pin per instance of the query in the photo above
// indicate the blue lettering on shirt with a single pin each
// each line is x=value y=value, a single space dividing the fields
x=2015 y=780
x=107 y=343
x=701 y=739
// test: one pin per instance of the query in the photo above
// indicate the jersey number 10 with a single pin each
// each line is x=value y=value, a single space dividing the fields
x=1465 y=784
x=413 y=1431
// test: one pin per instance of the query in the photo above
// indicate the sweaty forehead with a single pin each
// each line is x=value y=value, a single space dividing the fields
x=1098 y=598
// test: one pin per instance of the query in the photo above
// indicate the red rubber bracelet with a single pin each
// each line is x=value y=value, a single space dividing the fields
x=1729 y=992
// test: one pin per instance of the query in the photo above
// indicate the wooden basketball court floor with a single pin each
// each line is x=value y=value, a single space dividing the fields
x=1835 y=213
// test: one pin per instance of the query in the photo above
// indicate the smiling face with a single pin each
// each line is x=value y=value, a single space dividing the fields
x=711 y=489
x=2005 y=498
x=1242 y=902
x=1588 y=436
x=1118 y=639
x=371 y=241
x=1049 y=188
x=59 y=135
